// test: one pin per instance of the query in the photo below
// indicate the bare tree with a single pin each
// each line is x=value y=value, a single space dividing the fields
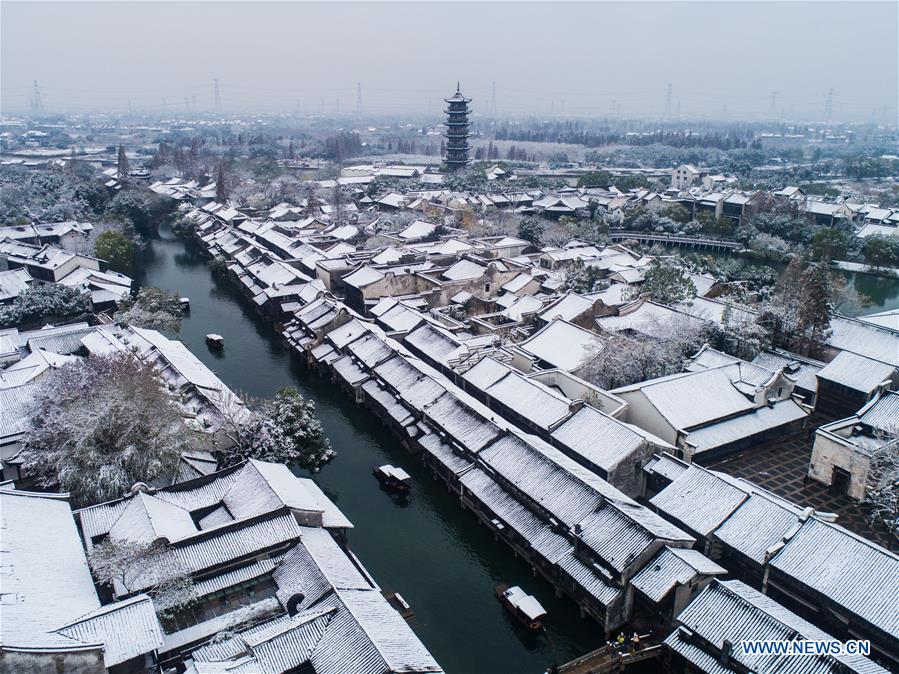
x=135 y=566
x=625 y=360
x=882 y=488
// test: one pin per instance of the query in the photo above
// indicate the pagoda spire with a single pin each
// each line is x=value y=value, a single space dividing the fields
x=457 y=131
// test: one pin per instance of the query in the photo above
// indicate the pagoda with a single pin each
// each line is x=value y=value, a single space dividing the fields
x=456 y=131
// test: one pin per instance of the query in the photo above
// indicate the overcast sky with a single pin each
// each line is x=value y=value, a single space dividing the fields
x=722 y=59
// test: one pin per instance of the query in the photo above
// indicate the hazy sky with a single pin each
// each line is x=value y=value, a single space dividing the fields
x=722 y=59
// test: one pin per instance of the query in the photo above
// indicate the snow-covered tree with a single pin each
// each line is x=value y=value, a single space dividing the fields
x=580 y=278
x=152 y=308
x=882 y=488
x=101 y=425
x=667 y=281
x=282 y=430
x=130 y=564
x=122 y=170
x=625 y=360
x=45 y=303
x=798 y=314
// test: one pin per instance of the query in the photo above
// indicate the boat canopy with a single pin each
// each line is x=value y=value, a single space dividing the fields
x=525 y=603
x=396 y=473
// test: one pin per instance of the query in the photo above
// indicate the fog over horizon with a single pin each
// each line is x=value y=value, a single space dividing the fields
x=725 y=60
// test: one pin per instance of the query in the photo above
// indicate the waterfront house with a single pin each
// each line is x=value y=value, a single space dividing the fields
x=270 y=570
x=709 y=634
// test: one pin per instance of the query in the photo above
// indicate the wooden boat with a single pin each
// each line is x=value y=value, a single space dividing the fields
x=214 y=341
x=393 y=478
x=185 y=304
x=523 y=607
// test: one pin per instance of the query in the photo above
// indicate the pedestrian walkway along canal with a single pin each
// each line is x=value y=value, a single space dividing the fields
x=427 y=548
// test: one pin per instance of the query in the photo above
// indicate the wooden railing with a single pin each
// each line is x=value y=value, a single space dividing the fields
x=675 y=240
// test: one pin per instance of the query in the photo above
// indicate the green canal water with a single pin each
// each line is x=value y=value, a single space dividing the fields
x=427 y=549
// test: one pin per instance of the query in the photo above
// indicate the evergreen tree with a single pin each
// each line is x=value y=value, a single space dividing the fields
x=221 y=186
x=123 y=168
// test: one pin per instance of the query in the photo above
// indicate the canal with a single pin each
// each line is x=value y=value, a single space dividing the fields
x=430 y=551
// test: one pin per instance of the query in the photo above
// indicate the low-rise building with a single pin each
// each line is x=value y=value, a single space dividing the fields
x=843 y=450
x=711 y=633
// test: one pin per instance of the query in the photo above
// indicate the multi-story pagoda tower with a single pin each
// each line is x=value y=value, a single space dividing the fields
x=456 y=134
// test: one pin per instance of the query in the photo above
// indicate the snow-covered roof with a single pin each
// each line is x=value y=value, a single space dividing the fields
x=364 y=276
x=692 y=399
x=733 y=612
x=563 y=344
x=761 y=420
x=672 y=567
x=856 y=372
x=419 y=229
x=464 y=270
x=49 y=600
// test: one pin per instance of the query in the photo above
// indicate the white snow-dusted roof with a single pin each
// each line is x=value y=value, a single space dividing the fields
x=461 y=423
x=363 y=276
x=485 y=373
x=700 y=499
x=418 y=229
x=759 y=523
x=694 y=398
x=731 y=610
x=530 y=399
x=389 y=255
x=463 y=270
x=600 y=439
x=568 y=307
x=852 y=571
x=856 y=372
x=763 y=419
x=672 y=567
x=517 y=283
x=864 y=339
x=13 y=282
x=127 y=629
x=47 y=590
x=528 y=304
x=887 y=319
x=49 y=599
x=563 y=345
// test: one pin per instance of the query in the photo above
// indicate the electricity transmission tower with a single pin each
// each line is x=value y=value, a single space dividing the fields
x=668 y=101
x=828 y=105
x=217 y=93
x=359 y=98
x=493 y=99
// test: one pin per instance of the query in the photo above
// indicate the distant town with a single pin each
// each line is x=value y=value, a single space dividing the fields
x=270 y=383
